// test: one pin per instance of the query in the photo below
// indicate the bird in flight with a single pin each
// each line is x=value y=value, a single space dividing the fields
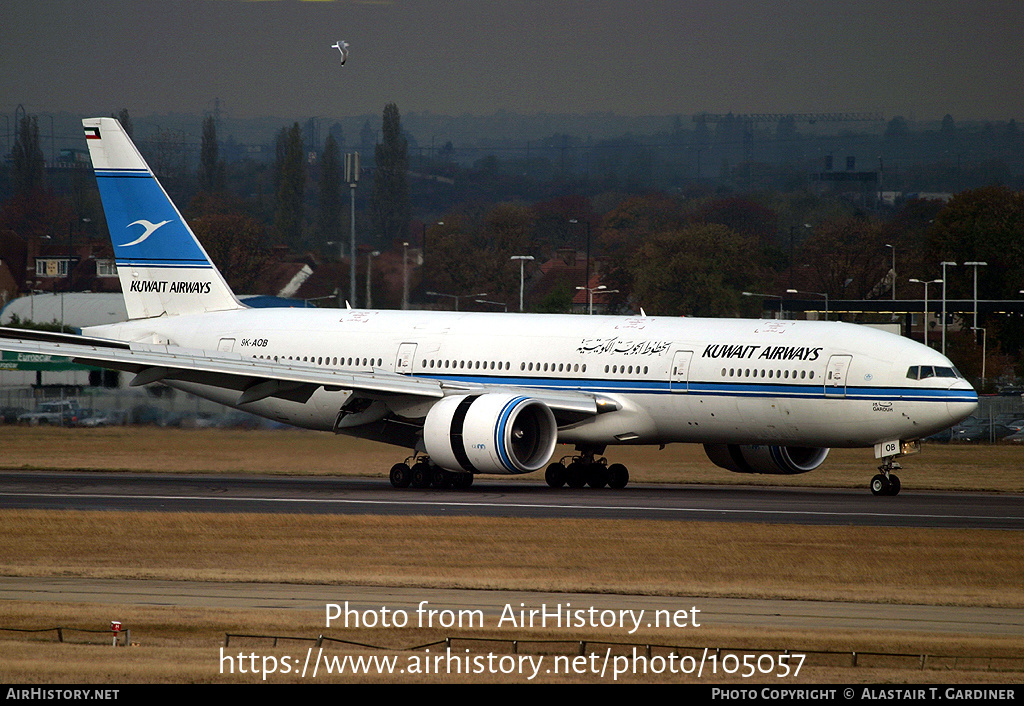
x=342 y=46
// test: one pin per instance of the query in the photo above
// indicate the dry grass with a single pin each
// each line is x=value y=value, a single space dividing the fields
x=934 y=566
x=955 y=567
x=141 y=449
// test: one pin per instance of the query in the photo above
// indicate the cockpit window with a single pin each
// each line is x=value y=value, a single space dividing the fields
x=922 y=372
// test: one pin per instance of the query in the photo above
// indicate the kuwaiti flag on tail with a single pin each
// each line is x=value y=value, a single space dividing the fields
x=164 y=270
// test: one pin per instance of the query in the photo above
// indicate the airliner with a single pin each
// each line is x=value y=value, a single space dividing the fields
x=494 y=393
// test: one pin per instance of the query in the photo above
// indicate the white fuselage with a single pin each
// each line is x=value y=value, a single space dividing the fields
x=735 y=381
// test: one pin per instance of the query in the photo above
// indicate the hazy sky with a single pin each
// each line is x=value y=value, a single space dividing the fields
x=917 y=58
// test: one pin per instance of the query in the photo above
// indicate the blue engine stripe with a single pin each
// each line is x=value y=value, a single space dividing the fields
x=499 y=433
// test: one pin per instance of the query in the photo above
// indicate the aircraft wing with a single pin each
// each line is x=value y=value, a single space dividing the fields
x=256 y=379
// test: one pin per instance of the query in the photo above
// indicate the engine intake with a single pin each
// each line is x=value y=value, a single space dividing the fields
x=777 y=460
x=490 y=433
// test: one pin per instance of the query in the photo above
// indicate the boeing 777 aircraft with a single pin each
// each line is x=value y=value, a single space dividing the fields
x=477 y=393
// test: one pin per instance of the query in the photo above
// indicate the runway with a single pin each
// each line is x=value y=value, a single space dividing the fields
x=494 y=497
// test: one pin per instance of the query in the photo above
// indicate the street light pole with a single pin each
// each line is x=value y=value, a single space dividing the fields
x=984 y=344
x=456 y=297
x=820 y=294
x=522 y=263
x=777 y=296
x=975 y=265
x=925 y=320
x=943 y=280
x=590 y=295
x=352 y=177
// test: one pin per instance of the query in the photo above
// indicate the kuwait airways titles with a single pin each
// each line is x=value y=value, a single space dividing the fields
x=181 y=287
x=725 y=350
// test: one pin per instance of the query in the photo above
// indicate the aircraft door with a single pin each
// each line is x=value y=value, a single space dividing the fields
x=226 y=345
x=406 y=354
x=679 y=375
x=835 y=375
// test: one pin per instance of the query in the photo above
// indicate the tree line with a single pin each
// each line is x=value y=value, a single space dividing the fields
x=692 y=251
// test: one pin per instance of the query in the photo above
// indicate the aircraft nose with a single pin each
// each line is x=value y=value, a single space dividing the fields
x=962 y=403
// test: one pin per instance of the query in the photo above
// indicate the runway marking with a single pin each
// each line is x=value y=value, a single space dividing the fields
x=547 y=506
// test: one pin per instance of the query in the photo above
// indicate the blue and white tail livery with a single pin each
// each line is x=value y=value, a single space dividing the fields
x=164 y=270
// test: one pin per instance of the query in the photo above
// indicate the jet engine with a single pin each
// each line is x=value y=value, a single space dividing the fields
x=777 y=460
x=490 y=433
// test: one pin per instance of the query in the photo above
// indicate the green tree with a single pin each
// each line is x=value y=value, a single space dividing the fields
x=390 y=210
x=290 y=179
x=469 y=255
x=985 y=225
x=237 y=245
x=28 y=165
x=847 y=258
x=211 y=167
x=695 y=270
x=34 y=209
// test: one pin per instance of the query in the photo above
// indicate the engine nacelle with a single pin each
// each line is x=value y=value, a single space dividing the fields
x=490 y=433
x=777 y=460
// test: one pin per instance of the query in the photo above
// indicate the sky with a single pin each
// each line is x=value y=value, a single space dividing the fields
x=917 y=58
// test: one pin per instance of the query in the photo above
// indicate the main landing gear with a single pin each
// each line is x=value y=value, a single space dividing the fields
x=585 y=469
x=419 y=472
x=886 y=482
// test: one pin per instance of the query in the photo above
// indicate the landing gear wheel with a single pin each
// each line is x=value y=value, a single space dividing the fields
x=618 y=476
x=894 y=484
x=461 y=481
x=421 y=475
x=555 y=475
x=576 y=475
x=400 y=476
x=597 y=475
x=439 y=478
x=880 y=485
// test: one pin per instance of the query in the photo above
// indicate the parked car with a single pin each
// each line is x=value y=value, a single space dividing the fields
x=9 y=415
x=1015 y=438
x=98 y=418
x=57 y=413
x=981 y=432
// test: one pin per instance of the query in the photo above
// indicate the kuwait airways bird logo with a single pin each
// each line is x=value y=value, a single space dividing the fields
x=150 y=228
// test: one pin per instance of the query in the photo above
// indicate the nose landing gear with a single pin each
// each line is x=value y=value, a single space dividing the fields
x=886 y=482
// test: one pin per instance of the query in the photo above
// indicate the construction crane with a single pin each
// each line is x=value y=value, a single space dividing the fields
x=795 y=117
x=746 y=121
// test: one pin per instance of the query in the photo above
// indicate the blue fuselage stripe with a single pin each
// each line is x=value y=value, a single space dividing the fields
x=658 y=387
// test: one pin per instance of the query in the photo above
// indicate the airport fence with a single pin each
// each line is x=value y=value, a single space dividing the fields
x=121 y=638
x=694 y=654
x=99 y=406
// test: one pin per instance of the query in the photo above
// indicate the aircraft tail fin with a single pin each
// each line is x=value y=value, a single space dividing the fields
x=164 y=270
